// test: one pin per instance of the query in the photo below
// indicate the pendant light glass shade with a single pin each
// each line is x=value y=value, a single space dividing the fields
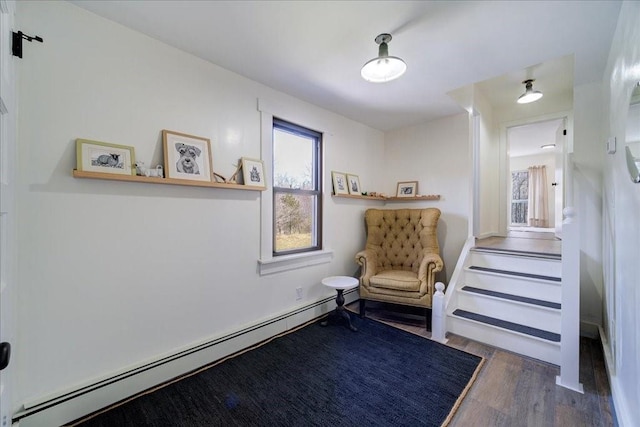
x=384 y=68
x=529 y=94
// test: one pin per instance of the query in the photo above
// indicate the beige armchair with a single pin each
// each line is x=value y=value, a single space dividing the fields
x=401 y=258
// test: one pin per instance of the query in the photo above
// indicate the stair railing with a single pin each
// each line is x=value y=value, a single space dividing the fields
x=442 y=300
x=570 y=301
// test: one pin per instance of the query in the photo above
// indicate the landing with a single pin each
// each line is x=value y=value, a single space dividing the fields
x=523 y=241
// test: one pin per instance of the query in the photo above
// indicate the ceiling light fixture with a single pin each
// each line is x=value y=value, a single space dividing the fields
x=548 y=146
x=384 y=68
x=529 y=94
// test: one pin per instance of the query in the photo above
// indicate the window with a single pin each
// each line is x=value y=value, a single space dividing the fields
x=519 y=197
x=297 y=189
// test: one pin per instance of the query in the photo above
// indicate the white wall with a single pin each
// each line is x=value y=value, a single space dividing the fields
x=548 y=160
x=622 y=204
x=436 y=154
x=489 y=200
x=112 y=274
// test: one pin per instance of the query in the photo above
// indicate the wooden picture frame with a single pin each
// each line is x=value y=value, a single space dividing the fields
x=339 y=181
x=253 y=172
x=104 y=157
x=186 y=157
x=407 y=189
x=353 y=183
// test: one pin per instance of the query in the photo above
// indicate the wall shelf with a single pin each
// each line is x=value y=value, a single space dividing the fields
x=356 y=196
x=413 y=199
x=389 y=199
x=155 y=180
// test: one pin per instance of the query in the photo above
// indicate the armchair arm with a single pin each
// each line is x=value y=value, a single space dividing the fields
x=368 y=260
x=431 y=264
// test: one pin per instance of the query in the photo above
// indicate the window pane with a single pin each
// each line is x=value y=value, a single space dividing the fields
x=294 y=225
x=293 y=160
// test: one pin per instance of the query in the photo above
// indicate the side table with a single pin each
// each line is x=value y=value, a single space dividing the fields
x=340 y=284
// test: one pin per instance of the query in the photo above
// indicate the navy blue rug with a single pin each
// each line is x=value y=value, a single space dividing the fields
x=314 y=376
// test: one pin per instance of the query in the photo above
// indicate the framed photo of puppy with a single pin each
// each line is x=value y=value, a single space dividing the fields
x=186 y=156
x=253 y=172
x=353 y=183
x=103 y=157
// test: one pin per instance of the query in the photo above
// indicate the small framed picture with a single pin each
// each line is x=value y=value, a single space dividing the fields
x=186 y=156
x=407 y=189
x=353 y=183
x=253 y=172
x=95 y=156
x=339 y=183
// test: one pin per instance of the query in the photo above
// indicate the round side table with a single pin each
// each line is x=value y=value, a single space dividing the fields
x=340 y=284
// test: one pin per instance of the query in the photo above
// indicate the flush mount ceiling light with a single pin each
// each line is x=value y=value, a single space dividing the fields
x=529 y=94
x=384 y=68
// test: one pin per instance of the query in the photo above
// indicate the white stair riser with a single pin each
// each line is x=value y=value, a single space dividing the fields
x=540 y=266
x=532 y=347
x=530 y=288
x=523 y=314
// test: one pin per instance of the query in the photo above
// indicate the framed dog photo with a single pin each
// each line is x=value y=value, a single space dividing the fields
x=253 y=172
x=186 y=156
x=407 y=189
x=339 y=183
x=95 y=156
x=353 y=183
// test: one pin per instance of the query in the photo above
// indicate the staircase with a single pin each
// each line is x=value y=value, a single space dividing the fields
x=511 y=300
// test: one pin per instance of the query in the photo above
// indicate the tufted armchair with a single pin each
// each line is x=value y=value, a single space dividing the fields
x=401 y=257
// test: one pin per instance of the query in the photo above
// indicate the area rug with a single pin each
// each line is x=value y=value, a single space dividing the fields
x=313 y=376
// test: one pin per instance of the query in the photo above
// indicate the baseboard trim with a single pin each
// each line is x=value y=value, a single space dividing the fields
x=621 y=410
x=79 y=401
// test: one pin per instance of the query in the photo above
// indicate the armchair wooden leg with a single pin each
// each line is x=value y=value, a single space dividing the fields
x=428 y=316
x=362 y=307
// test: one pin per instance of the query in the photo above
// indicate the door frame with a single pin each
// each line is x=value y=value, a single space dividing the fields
x=504 y=169
x=8 y=227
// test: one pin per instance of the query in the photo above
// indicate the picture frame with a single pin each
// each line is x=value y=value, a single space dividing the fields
x=186 y=156
x=407 y=189
x=353 y=183
x=253 y=172
x=339 y=180
x=104 y=157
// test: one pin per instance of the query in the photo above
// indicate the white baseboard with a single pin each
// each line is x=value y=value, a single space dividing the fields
x=622 y=411
x=64 y=407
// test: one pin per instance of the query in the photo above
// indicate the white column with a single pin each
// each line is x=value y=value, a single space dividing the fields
x=438 y=315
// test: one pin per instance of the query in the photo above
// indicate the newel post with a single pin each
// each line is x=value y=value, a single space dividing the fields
x=438 y=315
x=570 y=302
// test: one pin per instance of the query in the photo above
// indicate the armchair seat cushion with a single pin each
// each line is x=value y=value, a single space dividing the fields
x=400 y=280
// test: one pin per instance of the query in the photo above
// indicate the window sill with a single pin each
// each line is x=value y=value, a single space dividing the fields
x=292 y=262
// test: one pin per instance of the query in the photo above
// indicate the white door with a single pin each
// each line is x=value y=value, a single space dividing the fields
x=7 y=201
x=559 y=176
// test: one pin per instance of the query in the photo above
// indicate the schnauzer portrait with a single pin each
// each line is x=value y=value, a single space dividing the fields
x=187 y=161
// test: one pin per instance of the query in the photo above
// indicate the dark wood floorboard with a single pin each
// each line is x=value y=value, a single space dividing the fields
x=512 y=390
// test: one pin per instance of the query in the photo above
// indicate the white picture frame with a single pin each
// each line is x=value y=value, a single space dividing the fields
x=253 y=172
x=339 y=181
x=353 y=183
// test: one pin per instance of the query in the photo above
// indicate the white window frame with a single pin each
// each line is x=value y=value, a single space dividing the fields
x=267 y=263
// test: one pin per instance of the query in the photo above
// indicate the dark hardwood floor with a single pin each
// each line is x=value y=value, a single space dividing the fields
x=513 y=390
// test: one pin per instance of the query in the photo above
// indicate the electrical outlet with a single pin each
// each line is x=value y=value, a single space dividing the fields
x=298 y=294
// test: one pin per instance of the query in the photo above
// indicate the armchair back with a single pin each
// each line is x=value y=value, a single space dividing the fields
x=400 y=237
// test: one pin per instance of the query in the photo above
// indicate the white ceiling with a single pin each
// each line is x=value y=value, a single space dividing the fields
x=313 y=50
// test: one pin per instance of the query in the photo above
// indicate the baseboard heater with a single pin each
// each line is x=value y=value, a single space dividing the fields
x=80 y=401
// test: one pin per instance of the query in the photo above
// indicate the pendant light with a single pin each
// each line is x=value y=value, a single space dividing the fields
x=529 y=94
x=384 y=68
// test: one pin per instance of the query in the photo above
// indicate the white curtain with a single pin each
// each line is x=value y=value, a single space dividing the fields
x=538 y=199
